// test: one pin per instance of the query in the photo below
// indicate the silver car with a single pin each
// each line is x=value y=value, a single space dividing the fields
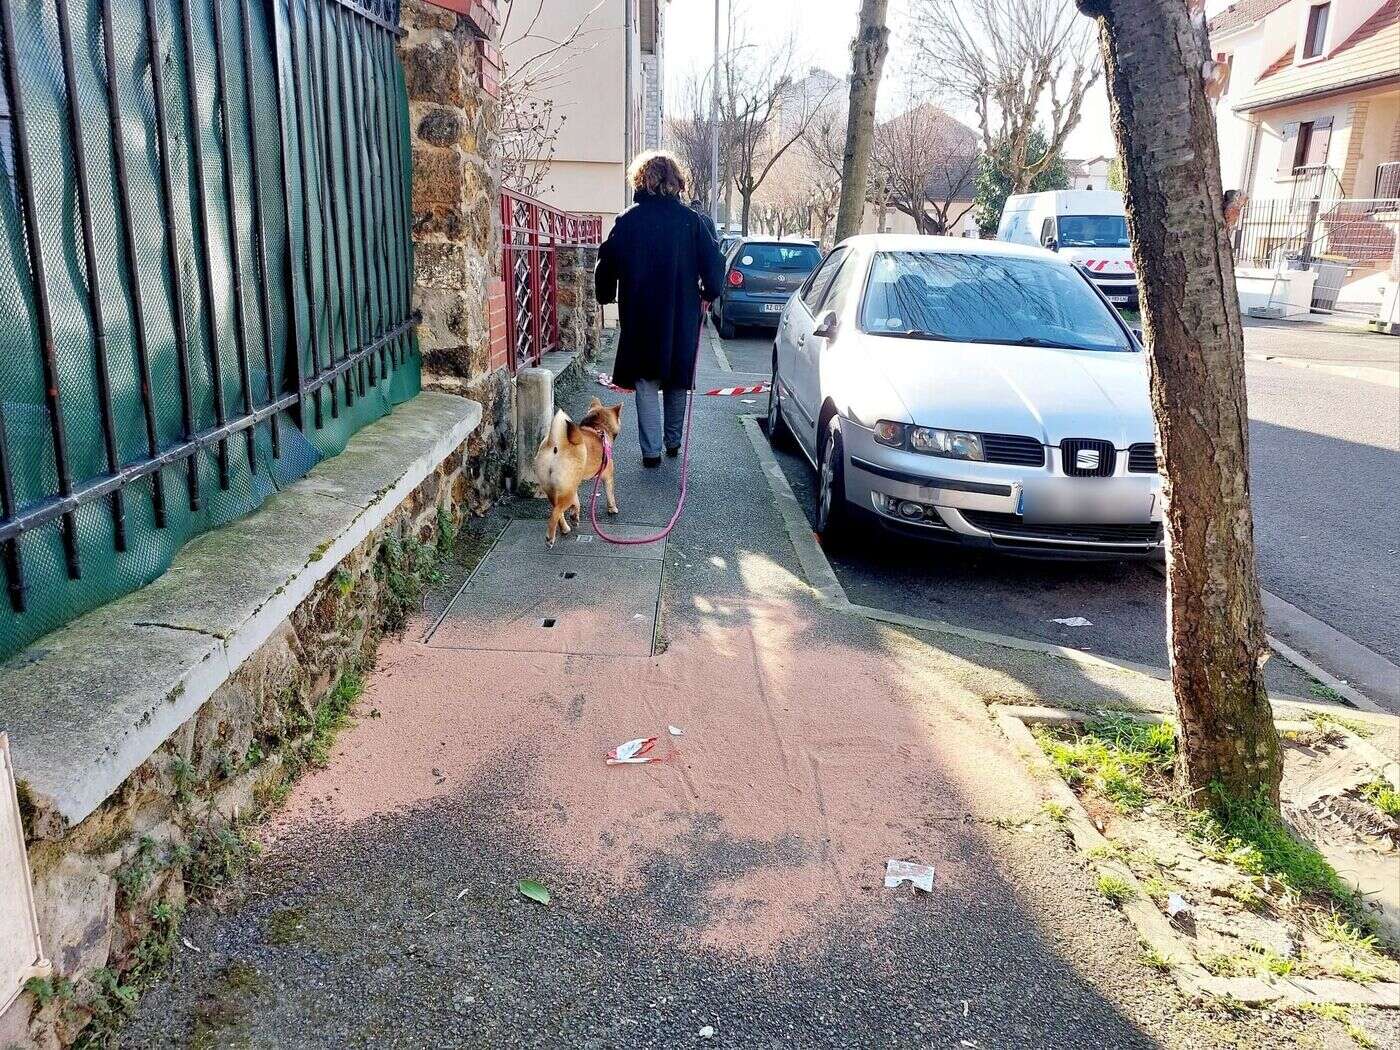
x=970 y=391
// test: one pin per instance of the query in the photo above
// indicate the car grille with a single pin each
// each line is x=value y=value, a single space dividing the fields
x=1013 y=525
x=1014 y=449
x=1142 y=459
x=1107 y=458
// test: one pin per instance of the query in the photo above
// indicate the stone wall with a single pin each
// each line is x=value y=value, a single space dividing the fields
x=451 y=71
x=580 y=317
x=110 y=890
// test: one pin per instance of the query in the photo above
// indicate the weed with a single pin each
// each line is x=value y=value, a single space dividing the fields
x=1326 y=720
x=219 y=854
x=1105 y=852
x=135 y=874
x=1342 y=1015
x=1384 y=797
x=48 y=989
x=1116 y=889
x=1155 y=959
x=1339 y=930
x=446 y=530
x=1156 y=888
x=407 y=568
x=182 y=773
x=332 y=714
x=1325 y=692
x=1247 y=894
x=284 y=926
x=1056 y=811
x=1113 y=756
x=344 y=582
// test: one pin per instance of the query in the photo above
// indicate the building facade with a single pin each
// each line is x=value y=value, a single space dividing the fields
x=603 y=76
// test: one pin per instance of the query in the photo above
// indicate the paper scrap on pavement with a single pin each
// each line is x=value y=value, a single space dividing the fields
x=675 y=730
x=634 y=752
x=1074 y=621
x=920 y=876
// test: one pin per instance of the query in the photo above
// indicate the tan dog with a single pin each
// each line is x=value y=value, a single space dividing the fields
x=570 y=455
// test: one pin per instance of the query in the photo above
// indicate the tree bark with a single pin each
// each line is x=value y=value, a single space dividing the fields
x=868 y=52
x=1166 y=137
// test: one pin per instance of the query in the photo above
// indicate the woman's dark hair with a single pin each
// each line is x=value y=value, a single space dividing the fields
x=657 y=172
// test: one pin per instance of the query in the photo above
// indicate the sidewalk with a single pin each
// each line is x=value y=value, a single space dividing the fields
x=733 y=892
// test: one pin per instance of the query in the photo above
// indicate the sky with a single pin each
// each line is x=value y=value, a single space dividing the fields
x=823 y=31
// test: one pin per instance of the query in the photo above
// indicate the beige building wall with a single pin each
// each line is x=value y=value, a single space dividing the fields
x=592 y=92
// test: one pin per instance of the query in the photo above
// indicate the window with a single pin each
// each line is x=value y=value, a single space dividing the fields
x=1047 y=228
x=760 y=256
x=1315 y=39
x=967 y=297
x=812 y=294
x=850 y=273
x=1093 y=231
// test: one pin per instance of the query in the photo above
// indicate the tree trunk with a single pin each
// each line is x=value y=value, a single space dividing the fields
x=1166 y=137
x=868 y=52
x=745 y=205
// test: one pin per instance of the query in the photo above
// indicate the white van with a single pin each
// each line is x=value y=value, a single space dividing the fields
x=1088 y=227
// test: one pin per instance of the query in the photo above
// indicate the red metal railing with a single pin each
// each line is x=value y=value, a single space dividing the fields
x=532 y=232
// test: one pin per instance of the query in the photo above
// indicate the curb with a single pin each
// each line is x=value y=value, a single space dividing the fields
x=1154 y=929
x=1379 y=376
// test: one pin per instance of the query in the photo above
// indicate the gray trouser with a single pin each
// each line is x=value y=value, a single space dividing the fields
x=649 y=416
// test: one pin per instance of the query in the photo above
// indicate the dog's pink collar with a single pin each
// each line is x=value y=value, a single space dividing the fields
x=607 y=448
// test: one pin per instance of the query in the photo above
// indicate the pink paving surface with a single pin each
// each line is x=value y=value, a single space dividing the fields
x=833 y=740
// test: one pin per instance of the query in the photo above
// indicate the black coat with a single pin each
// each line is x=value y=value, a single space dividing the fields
x=657 y=263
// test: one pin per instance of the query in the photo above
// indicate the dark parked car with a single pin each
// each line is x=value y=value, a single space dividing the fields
x=760 y=278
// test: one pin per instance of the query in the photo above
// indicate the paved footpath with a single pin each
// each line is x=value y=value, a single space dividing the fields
x=730 y=894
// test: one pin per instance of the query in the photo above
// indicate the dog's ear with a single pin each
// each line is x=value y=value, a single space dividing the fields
x=594 y=405
x=574 y=433
x=616 y=412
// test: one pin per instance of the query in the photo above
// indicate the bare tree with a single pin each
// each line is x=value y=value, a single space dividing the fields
x=1154 y=52
x=1016 y=62
x=868 y=51
x=926 y=164
x=764 y=111
x=529 y=125
x=823 y=147
x=690 y=135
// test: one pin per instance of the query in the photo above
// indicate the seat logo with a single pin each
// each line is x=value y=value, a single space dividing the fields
x=1086 y=459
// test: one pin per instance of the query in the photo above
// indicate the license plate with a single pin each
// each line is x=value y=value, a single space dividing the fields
x=772 y=308
x=1087 y=501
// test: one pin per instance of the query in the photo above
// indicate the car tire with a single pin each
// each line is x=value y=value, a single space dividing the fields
x=833 y=514
x=726 y=328
x=779 y=436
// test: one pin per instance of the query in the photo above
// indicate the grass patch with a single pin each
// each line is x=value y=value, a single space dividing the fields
x=1056 y=811
x=1384 y=797
x=1116 y=889
x=1114 y=756
x=331 y=715
x=1327 y=720
x=1155 y=959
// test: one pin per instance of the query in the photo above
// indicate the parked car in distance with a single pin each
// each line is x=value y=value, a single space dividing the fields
x=1087 y=227
x=968 y=391
x=760 y=276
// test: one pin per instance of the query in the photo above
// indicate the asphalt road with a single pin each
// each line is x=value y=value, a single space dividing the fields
x=1326 y=475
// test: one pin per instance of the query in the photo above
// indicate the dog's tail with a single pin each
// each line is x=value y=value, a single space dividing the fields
x=547 y=456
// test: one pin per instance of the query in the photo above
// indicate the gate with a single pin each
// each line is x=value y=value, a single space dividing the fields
x=205 y=274
x=532 y=233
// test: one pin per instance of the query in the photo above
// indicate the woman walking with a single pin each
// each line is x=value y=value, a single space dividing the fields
x=660 y=260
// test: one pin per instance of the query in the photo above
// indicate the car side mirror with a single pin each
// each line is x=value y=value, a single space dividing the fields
x=1137 y=334
x=1050 y=244
x=826 y=326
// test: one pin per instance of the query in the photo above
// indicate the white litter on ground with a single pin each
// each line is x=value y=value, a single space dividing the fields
x=675 y=730
x=1074 y=621
x=920 y=876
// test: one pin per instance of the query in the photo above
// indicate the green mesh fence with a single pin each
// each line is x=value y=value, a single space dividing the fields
x=205 y=274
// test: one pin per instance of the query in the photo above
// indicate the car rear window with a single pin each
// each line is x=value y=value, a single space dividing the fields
x=801 y=257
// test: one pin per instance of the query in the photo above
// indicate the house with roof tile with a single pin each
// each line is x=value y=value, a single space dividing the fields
x=1310 y=112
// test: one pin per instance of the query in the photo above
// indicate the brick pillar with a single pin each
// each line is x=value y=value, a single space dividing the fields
x=580 y=318
x=451 y=70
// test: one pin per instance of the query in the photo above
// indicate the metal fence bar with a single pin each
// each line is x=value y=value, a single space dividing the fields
x=24 y=177
x=206 y=267
x=310 y=274
x=376 y=140
x=172 y=244
x=403 y=242
x=240 y=322
x=10 y=552
x=333 y=13
x=256 y=215
x=94 y=285
x=330 y=236
x=284 y=136
x=352 y=130
x=129 y=253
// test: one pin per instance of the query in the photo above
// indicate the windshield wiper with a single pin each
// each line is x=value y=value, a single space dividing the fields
x=1035 y=340
x=913 y=333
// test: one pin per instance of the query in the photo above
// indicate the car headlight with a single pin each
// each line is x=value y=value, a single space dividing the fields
x=954 y=444
x=888 y=432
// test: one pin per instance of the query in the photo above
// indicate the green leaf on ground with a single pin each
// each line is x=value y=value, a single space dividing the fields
x=534 y=890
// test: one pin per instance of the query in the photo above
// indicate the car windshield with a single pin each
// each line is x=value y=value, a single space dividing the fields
x=780 y=256
x=1093 y=231
x=974 y=298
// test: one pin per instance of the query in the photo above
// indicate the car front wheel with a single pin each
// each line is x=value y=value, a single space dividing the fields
x=777 y=429
x=833 y=514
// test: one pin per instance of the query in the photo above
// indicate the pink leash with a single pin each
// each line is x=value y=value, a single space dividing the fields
x=685 y=467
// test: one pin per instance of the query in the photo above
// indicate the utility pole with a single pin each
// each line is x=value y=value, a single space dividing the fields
x=714 y=128
x=868 y=52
